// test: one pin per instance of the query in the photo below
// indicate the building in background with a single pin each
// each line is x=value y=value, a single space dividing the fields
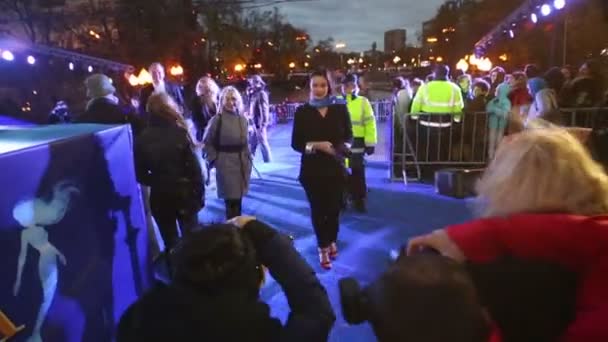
x=394 y=40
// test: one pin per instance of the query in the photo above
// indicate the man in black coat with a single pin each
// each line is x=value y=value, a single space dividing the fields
x=159 y=84
x=103 y=106
x=214 y=296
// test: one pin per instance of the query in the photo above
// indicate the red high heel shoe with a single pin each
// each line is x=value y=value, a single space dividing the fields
x=324 y=258
x=333 y=251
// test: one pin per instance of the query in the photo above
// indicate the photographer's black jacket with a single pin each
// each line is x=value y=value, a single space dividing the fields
x=309 y=126
x=169 y=313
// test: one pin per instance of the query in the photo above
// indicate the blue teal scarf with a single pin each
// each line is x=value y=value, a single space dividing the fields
x=326 y=101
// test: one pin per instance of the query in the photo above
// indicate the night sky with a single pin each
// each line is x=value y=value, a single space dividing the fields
x=358 y=23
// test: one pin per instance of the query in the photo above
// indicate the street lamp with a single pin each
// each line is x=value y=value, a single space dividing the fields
x=292 y=65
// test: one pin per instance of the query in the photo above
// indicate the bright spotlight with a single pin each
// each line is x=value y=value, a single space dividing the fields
x=545 y=10
x=534 y=18
x=90 y=68
x=8 y=56
x=31 y=60
x=511 y=34
x=71 y=66
x=559 y=4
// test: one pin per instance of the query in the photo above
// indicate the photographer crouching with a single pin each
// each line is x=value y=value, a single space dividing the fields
x=214 y=296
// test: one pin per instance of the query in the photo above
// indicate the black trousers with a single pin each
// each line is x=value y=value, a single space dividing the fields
x=325 y=198
x=167 y=212
x=233 y=208
x=356 y=181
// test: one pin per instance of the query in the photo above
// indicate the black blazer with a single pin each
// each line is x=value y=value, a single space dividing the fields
x=310 y=126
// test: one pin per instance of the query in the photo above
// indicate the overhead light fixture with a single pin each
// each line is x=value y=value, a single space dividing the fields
x=8 y=56
x=559 y=4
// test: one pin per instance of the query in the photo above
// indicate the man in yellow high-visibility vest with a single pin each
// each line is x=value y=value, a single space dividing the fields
x=365 y=137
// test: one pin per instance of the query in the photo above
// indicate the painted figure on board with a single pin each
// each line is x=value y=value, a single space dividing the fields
x=34 y=215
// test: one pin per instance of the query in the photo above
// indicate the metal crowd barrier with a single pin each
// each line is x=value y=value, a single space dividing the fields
x=422 y=143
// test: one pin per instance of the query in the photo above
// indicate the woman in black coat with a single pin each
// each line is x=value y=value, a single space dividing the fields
x=165 y=161
x=322 y=133
x=214 y=295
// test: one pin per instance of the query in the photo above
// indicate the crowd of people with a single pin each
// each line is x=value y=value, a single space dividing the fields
x=532 y=267
x=504 y=102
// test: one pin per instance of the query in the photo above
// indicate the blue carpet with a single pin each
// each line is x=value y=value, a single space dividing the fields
x=396 y=213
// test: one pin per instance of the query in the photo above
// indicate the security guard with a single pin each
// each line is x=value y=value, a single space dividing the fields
x=439 y=96
x=435 y=135
x=365 y=138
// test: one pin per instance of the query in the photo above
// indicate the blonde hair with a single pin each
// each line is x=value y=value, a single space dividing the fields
x=163 y=106
x=239 y=99
x=543 y=170
x=213 y=87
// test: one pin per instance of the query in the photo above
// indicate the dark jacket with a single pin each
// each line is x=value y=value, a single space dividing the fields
x=174 y=90
x=104 y=111
x=309 y=126
x=172 y=313
x=201 y=115
x=164 y=160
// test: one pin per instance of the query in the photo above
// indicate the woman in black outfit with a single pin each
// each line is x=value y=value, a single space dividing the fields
x=205 y=104
x=322 y=133
x=165 y=161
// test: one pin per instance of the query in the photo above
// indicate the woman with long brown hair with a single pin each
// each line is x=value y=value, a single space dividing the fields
x=165 y=161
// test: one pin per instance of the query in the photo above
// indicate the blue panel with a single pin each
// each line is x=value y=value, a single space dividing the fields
x=72 y=213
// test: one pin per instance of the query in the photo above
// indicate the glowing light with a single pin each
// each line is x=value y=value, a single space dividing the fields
x=484 y=64
x=90 y=68
x=511 y=34
x=31 y=60
x=503 y=57
x=559 y=4
x=545 y=10
x=431 y=40
x=360 y=60
x=71 y=66
x=292 y=65
x=238 y=68
x=306 y=64
x=258 y=66
x=8 y=56
x=397 y=59
x=133 y=80
x=176 y=70
x=439 y=59
x=462 y=65
x=534 y=18
x=340 y=46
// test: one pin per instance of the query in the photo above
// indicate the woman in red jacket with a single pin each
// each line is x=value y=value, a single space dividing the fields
x=542 y=198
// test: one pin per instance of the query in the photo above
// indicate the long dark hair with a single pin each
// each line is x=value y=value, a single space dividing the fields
x=325 y=75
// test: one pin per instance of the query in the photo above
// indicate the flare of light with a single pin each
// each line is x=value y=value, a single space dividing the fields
x=8 y=56
x=545 y=10
x=31 y=60
x=176 y=70
x=462 y=65
x=534 y=18
x=559 y=4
